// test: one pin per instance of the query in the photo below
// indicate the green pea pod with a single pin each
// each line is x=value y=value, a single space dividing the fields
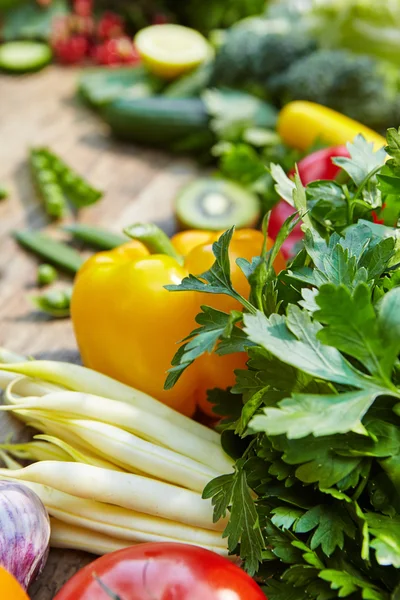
x=54 y=252
x=95 y=236
x=55 y=302
x=3 y=193
x=79 y=191
x=47 y=184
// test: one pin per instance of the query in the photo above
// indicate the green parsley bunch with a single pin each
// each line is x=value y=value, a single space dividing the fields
x=314 y=420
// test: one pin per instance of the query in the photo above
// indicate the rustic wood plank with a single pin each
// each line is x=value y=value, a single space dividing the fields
x=140 y=185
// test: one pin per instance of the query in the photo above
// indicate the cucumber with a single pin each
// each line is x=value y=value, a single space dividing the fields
x=22 y=57
x=160 y=121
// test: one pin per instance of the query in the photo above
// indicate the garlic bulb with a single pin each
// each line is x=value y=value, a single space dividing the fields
x=24 y=532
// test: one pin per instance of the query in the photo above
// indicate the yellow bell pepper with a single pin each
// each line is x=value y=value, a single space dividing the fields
x=301 y=123
x=128 y=326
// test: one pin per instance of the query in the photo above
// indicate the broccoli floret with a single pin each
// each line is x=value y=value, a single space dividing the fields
x=256 y=48
x=355 y=85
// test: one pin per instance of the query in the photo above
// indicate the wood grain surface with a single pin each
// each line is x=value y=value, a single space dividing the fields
x=140 y=185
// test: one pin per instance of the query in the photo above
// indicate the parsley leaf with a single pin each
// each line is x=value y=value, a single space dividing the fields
x=331 y=523
x=233 y=492
x=305 y=414
x=363 y=159
x=386 y=542
x=216 y=280
x=352 y=327
x=348 y=584
x=294 y=341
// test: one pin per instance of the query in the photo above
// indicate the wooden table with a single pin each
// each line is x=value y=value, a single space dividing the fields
x=140 y=185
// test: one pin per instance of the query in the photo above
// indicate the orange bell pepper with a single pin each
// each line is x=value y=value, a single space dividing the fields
x=128 y=325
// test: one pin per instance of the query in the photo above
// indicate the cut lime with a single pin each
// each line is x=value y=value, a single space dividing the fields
x=171 y=50
x=20 y=57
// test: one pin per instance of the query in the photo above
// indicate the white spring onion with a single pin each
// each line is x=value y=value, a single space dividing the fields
x=127 y=490
x=86 y=380
x=130 y=418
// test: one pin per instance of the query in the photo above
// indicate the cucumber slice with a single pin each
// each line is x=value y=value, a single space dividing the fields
x=21 y=57
x=170 y=50
x=216 y=204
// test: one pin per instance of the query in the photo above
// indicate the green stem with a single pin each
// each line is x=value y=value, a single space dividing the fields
x=155 y=240
x=366 y=180
x=349 y=207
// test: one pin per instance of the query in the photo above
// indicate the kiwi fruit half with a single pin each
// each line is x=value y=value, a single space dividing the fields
x=214 y=204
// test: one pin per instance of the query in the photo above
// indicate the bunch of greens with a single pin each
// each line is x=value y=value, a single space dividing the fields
x=203 y=15
x=364 y=26
x=314 y=421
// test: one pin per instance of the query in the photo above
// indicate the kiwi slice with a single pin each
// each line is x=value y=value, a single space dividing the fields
x=215 y=204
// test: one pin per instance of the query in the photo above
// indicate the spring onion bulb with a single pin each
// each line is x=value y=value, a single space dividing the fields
x=127 y=490
x=24 y=532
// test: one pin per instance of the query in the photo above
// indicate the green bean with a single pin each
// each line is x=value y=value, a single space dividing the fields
x=3 y=192
x=54 y=252
x=95 y=236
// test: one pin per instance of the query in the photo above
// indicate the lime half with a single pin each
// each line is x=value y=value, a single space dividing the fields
x=171 y=50
x=20 y=57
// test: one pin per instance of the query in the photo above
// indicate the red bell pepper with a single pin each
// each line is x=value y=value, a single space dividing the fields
x=317 y=165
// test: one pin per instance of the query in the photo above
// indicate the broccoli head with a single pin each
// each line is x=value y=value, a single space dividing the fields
x=257 y=48
x=355 y=85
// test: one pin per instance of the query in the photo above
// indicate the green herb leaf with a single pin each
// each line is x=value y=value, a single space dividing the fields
x=363 y=159
x=331 y=523
x=294 y=341
x=386 y=542
x=348 y=584
x=305 y=414
x=216 y=280
x=352 y=327
x=244 y=524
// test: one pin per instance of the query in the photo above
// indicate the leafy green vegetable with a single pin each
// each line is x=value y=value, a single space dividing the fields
x=30 y=20
x=102 y=85
x=314 y=502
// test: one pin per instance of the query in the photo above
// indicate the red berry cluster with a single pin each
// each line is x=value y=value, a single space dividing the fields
x=77 y=37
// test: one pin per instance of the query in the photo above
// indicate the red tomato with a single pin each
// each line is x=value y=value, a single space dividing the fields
x=317 y=165
x=162 y=571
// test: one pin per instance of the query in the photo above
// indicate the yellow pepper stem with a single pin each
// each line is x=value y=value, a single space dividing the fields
x=155 y=240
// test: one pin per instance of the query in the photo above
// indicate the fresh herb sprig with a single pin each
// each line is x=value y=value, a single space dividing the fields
x=314 y=501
